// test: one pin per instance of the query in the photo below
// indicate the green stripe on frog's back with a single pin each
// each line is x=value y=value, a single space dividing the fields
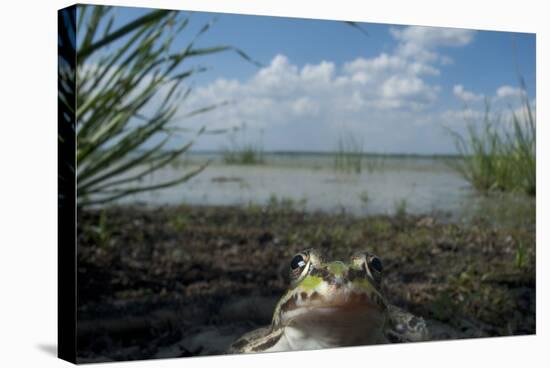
x=336 y=269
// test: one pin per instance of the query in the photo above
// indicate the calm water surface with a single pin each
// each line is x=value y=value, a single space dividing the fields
x=419 y=185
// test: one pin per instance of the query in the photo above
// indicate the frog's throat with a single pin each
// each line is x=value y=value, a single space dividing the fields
x=294 y=305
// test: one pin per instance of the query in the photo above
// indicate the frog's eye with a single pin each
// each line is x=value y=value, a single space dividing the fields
x=298 y=262
x=375 y=264
x=298 y=266
x=374 y=267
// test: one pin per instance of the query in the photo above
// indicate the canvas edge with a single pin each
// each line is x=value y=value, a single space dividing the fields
x=66 y=161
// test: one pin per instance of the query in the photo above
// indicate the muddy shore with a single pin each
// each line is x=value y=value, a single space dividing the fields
x=186 y=281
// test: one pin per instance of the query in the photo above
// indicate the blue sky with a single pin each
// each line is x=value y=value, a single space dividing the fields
x=397 y=89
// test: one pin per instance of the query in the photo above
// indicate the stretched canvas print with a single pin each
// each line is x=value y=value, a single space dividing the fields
x=234 y=184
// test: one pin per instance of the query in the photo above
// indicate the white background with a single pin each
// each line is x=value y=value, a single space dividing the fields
x=28 y=181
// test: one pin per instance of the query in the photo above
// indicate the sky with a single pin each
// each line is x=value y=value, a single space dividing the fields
x=396 y=89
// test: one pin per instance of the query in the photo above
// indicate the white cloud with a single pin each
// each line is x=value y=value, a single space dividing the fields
x=398 y=87
x=305 y=106
x=419 y=43
x=457 y=117
x=509 y=91
x=282 y=92
x=504 y=106
x=390 y=100
x=466 y=96
x=505 y=92
x=504 y=98
x=432 y=37
x=317 y=74
x=385 y=63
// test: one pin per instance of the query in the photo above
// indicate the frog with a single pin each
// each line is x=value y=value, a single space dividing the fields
x=332 y=304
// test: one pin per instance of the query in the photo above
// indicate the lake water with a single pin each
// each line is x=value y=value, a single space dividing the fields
x=416 y=184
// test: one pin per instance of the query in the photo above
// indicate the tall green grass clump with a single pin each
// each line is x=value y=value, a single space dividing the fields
x=240 y=151
x=375 y=163
x=130 y=87
x=349 y=154
x=500 y=157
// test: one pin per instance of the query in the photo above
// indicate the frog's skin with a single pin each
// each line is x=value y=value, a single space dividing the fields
x=332 y=304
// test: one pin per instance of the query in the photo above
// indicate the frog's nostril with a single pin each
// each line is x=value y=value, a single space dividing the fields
x=338 y=281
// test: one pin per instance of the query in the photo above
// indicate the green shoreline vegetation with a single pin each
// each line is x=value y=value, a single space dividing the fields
x=499 y=158
x=349 y=154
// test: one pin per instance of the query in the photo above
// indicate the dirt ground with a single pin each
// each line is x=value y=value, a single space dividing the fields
x=187 y=281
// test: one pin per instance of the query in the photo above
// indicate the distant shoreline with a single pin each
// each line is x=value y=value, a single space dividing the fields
x=332 y=153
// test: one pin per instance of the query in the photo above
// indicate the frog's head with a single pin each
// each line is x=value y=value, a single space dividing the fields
x=332 y=295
